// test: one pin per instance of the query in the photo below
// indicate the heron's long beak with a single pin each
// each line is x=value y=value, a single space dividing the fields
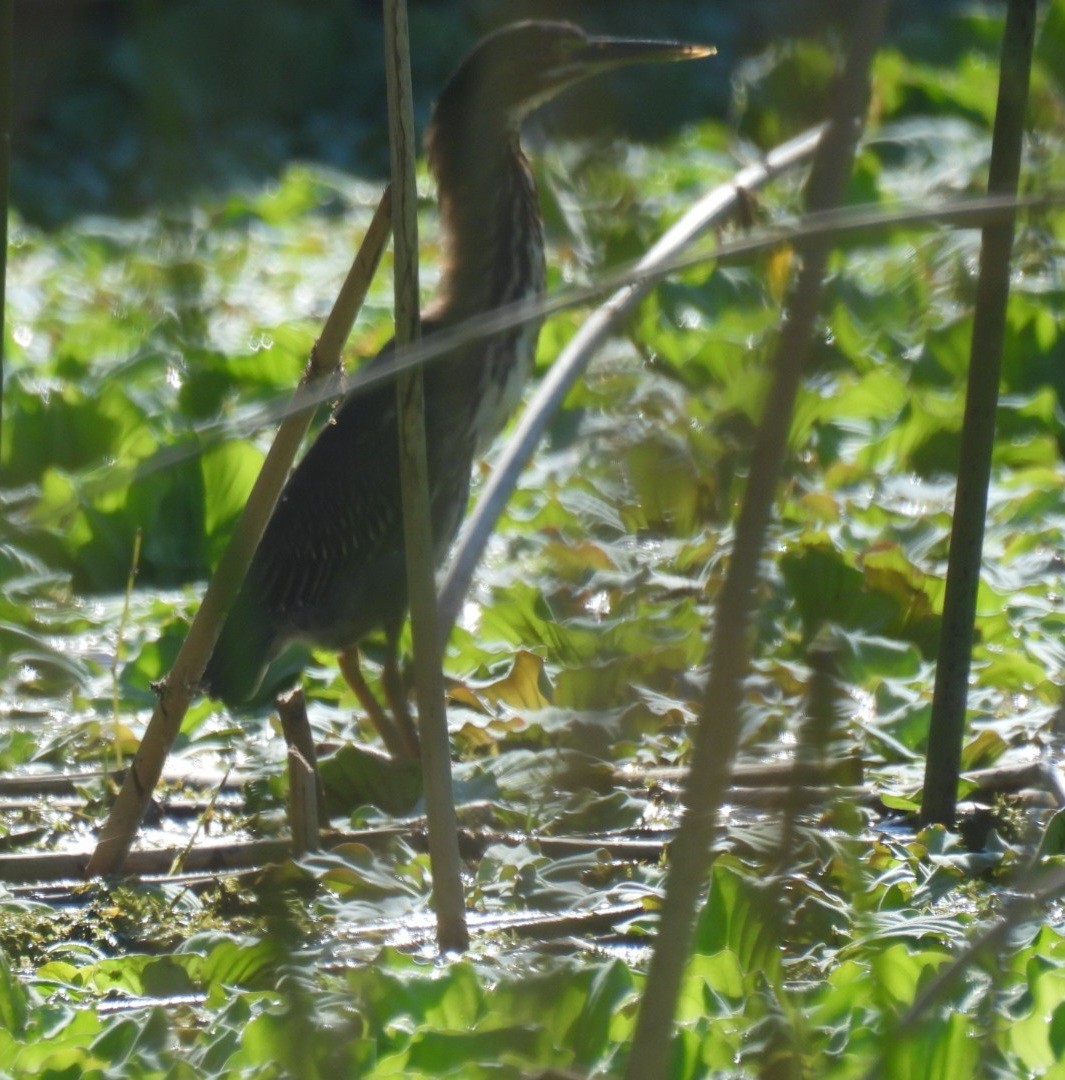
x=608 y=52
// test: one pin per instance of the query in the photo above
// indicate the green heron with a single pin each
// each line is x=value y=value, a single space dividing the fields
x=330 y=566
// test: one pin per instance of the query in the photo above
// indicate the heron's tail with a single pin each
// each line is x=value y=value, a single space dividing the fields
x=245 y=646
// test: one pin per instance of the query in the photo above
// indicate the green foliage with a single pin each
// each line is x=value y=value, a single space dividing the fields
x=146 y=357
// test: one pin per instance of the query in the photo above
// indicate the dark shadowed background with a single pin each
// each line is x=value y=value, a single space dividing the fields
x=121 y=103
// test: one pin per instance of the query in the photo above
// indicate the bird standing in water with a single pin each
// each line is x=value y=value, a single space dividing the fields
x=330 y=566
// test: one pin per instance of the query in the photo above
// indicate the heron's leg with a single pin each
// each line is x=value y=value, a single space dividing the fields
x=396 y=693
x=391 y=732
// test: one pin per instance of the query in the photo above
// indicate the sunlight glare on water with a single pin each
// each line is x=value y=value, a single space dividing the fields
x=470 y=617
x=598 y=604
x=865 y=704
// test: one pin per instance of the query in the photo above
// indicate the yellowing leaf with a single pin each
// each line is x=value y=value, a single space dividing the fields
x=521 y=687
x=461 y=694
x=820 y=506
x=577 y=559
x=482 y=734
x=984 y=750
x=778 y=266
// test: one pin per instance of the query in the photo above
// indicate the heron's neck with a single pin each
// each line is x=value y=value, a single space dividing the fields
x=491 y=231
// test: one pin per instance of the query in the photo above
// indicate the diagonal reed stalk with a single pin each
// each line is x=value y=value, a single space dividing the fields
x=178 y=688
x=717 y=736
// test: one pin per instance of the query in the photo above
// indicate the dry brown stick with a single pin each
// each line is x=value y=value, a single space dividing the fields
x=292 y=709
x=524 y=924
x=623 y=848
x=845 y=770
x=54 y=783
x=303 y=791
x=48 y=868
x=995 y=780
x=178 y=688
x=56 y=868
x=1008 y=779
x=798 y=797
x=233 y=855
x=554 y=924
x=992 y=780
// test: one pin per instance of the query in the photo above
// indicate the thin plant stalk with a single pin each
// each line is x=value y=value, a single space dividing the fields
x=180 y=685
x=947 y=724
x=445 y=863
x=120 y=639
x=717 y=735
x=178 y=864
x=7 y=75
